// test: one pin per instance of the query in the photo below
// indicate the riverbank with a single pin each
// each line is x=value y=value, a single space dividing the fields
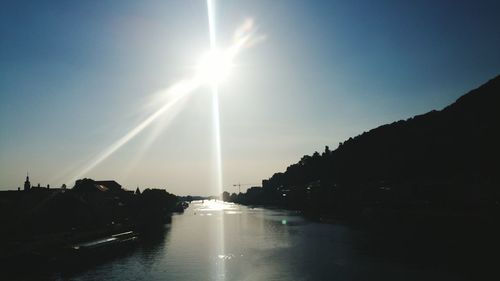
x=431 y=239
x=40 y=226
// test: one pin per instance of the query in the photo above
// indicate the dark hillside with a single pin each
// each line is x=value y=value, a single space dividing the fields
x=458 y=142
x=446 y=160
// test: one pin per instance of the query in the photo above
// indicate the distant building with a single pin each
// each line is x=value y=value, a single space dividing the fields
x=39 y=187
x=27 y=184
x=108 y=185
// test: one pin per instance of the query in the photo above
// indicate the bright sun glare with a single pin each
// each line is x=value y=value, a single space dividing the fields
x=214 y=66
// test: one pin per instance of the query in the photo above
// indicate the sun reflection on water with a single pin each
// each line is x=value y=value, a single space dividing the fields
x=213 y=205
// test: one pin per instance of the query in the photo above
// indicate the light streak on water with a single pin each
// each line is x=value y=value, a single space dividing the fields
x=218 y=180
x=244 y=37
x=220 y=247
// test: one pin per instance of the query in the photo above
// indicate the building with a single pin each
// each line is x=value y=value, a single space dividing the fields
x=27 y=184
x=108 y=185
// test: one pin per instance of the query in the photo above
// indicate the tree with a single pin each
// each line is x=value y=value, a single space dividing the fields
x=327 y=151
x=85 y=185
x=225 y=196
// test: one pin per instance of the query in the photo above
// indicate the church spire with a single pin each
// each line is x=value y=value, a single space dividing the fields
x=27 y=184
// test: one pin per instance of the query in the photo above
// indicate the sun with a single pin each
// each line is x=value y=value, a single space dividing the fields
x=214 y=66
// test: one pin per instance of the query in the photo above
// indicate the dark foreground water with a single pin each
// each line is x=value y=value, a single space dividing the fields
x=220 y=241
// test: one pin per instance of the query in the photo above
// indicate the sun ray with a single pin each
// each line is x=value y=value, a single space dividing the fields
x=211 y=22
x=212 y=72
x=219 y=62
x=178 y=92
x=156 y=130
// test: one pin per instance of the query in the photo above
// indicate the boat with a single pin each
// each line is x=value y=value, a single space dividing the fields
x=112 y=242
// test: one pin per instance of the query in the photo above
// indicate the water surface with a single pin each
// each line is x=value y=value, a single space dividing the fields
x=222 y=241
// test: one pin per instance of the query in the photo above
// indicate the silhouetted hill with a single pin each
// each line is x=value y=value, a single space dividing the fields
x=445 y=159
x=456 y=142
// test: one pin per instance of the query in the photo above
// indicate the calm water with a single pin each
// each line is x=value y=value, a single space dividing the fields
x=220 y=241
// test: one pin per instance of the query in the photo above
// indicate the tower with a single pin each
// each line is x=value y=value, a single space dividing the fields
x=27 y=184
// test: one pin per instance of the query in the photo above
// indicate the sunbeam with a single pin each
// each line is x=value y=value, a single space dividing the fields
x=242 y=140
x=177 y=91
x=212 y=69
x=158 y=128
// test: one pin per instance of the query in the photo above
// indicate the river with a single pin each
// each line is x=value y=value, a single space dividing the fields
x=212 y=240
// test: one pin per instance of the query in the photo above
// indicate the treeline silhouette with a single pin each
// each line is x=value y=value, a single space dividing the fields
x=440 y=162
x=40 y=223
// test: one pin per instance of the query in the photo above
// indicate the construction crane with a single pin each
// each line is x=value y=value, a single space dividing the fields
x=239 y=185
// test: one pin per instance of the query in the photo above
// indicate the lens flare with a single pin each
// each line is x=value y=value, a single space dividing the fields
x=176 y=93
x=214 y=66
x=213 y=70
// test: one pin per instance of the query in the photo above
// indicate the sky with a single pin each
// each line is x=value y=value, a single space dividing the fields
x=75 y=76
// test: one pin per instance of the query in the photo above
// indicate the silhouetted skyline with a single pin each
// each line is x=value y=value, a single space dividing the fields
x=75 y=77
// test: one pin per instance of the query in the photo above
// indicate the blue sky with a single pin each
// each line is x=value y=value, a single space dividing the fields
x=77 y=75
